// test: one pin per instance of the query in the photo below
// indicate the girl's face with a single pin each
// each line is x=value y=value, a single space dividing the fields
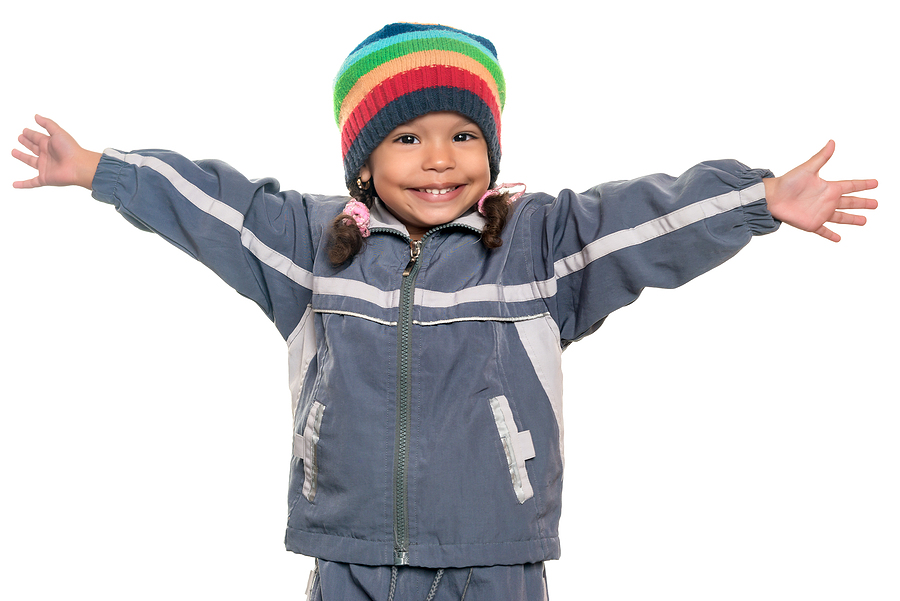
x=430 y=170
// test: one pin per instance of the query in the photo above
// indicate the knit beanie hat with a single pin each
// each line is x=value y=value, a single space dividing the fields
x=406 y=70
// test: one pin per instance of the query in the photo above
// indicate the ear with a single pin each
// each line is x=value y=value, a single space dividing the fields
x=365 y=174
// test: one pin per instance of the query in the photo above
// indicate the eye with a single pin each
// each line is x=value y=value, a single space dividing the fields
x=464 y=137
x=406 y=139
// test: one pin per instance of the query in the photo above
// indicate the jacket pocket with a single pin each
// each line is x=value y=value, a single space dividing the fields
x=518 y=447
x=306 y=449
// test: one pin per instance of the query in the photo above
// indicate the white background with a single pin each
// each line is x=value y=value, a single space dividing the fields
x=734 y=439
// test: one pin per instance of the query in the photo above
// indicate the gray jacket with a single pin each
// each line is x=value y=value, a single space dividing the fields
x=427 y=391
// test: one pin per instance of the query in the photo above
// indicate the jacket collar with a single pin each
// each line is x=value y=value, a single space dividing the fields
x=381 y=217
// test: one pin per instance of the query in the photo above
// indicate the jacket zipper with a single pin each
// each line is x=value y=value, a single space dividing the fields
x=404 y=394
x=404 y=386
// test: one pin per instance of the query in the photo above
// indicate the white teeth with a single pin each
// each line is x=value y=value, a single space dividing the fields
x=438 y=192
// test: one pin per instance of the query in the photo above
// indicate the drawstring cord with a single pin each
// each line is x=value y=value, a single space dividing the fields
x=434 y=585
x=431 y=593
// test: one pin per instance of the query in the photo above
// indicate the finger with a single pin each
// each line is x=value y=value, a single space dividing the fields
x=35 y=137
x=828 y=234
x=28 y=159
x=28 y=143
x=846 y=218
x=28 y=183
x=855 y=203
x=856 y=185
x=818 y=160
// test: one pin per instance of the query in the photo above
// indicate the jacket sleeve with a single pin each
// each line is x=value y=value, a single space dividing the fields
x=596 y=251
x=256 y=238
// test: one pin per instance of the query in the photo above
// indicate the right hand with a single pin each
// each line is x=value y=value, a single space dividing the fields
x=57 y=157
x=806 y=201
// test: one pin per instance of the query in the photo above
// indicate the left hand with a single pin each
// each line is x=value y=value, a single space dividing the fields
x=804 y=200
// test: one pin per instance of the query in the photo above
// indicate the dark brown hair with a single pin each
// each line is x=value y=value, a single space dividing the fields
x=496 y=211
x=345 y=239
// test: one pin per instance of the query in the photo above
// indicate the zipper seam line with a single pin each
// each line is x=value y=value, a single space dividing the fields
x=404 y=393
x=405 y=323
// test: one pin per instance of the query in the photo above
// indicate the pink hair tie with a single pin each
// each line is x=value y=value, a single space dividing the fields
x=357 y=213
x=498 y=191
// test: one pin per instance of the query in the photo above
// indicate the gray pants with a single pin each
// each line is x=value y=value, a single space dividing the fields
x=333 y=581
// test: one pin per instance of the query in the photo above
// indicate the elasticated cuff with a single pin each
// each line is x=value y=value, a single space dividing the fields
x=112 y=185
x=105 y=184
x=756 y=214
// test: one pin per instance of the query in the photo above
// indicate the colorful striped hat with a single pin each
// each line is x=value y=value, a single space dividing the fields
x=408 y=69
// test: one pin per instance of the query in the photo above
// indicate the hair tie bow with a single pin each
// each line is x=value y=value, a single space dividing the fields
x=497 y=191
x=358 y=213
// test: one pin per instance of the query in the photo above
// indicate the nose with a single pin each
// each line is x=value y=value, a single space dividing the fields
x=438 y=156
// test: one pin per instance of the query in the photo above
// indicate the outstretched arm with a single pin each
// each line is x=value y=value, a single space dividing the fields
x=56 y=156
x=804 y=200
x=258 y=239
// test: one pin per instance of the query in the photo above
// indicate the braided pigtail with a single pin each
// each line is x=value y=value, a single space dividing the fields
x=496 y=211
x=494 y=207
x=346 y=239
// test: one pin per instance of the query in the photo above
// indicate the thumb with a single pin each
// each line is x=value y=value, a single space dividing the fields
x=818 y=160
x=48 y=124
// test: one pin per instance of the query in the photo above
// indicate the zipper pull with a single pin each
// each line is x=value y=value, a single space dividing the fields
x=414 y=249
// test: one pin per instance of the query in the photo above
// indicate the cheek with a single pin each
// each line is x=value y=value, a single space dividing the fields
x=486 y=173
x=486 y=165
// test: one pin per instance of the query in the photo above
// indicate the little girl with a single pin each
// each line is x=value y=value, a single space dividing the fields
x=425 y=317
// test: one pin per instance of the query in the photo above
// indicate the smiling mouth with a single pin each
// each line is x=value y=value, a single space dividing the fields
x=436 y=191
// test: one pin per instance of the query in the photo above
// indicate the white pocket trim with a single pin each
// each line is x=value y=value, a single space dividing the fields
x=518 y=447
x=305 y=449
